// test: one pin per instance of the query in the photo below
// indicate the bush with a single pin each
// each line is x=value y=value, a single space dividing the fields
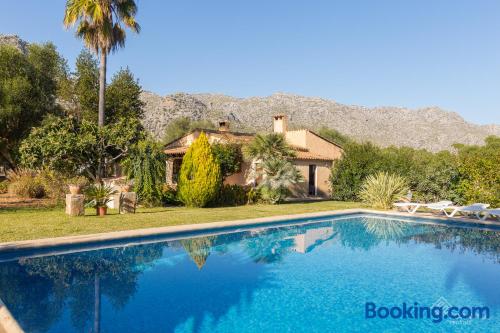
x=200 y=176
x=54 y=184
x=348 y=173
x=231 y=195
x=253 y=196
x=383 y=189
x=230 y=158
x=25 y=183
x=431 y=176
x=4 y=187
x=480 y=172
x=169 y=195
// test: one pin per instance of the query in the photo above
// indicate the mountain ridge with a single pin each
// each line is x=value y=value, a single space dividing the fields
x=430 y=128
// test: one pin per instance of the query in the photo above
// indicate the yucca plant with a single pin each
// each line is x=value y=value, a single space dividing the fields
x=381 y=190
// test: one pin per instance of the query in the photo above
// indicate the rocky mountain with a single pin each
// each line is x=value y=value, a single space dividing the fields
x=430 y=128
x=13 y=40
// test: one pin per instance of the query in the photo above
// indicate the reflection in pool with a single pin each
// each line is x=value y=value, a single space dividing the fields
x=301 y=278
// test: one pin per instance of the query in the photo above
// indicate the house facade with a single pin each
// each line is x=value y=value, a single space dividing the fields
x=314 y=156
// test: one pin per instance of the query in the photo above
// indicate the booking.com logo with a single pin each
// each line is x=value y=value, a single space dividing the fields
x=437 y=312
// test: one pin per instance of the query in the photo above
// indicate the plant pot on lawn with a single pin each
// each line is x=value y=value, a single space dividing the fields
x=101 y=211
x=98 y=196
x=76 y=184
x=75 y=189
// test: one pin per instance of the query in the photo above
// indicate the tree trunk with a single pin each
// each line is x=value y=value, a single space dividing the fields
x=8 y=158
x=102 y=103
x=97 y=304
x=102 y=87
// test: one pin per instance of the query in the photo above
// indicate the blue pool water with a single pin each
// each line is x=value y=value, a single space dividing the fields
x=313 y=277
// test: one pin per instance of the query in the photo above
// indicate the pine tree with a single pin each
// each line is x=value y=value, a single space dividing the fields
x=200 y=176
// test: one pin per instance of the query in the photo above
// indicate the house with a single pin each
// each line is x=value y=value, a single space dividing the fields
x=314 y=155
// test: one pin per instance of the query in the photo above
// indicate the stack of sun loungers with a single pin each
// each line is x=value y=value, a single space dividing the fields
x=479 y=210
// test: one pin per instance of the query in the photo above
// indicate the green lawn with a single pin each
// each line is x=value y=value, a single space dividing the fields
x=23 y=224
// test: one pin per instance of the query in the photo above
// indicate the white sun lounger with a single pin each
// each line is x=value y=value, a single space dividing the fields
x=410 y=207
x=475 y=209
x=491 y=212
x=441 y=205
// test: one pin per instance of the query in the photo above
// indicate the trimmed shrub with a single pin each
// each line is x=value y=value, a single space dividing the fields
x=200 y=176
x=231 y=195
x=25 y=183
x=382 y=189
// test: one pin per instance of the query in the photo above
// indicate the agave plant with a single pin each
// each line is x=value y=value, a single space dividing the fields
x=381 y=190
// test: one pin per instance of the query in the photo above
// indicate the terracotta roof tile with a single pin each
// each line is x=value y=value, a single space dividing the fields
x=306 y=155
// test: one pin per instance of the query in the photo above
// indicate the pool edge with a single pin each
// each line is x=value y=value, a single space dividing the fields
x=8 y=323
x=135 y=233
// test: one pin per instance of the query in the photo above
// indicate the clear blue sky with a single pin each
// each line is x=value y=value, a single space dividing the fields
x=402 y=53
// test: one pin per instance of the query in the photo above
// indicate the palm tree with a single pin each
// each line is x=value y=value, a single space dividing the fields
x=277 y=174
x=100 y=27
x=265 y=146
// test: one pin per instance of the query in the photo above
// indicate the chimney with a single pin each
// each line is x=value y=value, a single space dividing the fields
x=224 y=126
x=280 y=123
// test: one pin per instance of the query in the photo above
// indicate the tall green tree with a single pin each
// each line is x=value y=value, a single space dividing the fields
x=200 y=176
x=183 y=125
x=100 y=25
x=123 y=97
x=29 y=83
x=145 y=164
x=335 y=136
x=86 y=86
x=70 y=146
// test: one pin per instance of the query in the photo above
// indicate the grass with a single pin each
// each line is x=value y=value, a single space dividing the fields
x=35 y=223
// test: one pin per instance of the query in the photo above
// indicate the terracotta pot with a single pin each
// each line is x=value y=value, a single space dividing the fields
x=125 y=188
x=101 y=211
x=75 y=189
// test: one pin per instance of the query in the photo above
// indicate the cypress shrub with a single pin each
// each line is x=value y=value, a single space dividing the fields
x=200 y=175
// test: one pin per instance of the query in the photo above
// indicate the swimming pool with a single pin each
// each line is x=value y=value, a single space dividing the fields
x=317 y=276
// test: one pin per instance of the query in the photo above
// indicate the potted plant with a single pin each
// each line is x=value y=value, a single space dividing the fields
x=99 y=195
x=76 y=184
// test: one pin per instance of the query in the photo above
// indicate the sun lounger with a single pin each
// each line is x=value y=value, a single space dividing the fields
x=491 y=212
x=439 y=206
x=410 y=207
x=475 y=209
